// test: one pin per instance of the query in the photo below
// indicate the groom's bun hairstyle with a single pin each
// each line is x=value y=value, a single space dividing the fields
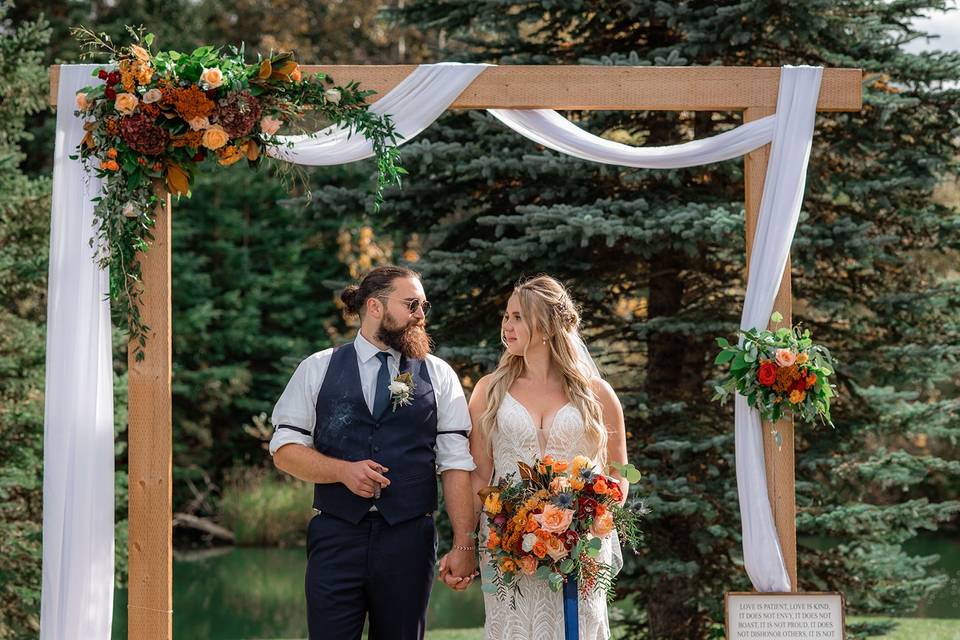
x=376 y=284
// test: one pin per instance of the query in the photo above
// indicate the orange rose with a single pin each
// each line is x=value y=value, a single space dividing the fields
x=112 y=153
x=507 y=565
x=600 y=510
x=296 y=75
x=540 y=549
x=215 y=137
x=140 y=53
x=528 y=565
x=554 y=519
x=811 y=380
x=109 y=165
x=797 y=396
x=580 y=463
x=802 y=358
x=603 y=525
x=253 y=150
x=576 y=483
x=492 y=504
x=532 y=524
x=600 y=486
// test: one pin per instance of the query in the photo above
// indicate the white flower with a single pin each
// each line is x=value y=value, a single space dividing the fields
x=130 y=210
x=528 y=541
x=332 y=95
x=397 y=388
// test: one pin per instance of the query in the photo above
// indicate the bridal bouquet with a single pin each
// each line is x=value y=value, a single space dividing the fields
x=157 y=116
x=550 y=524
x=778 y=371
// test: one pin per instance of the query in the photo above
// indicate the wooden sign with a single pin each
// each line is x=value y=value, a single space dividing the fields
x=784 y=616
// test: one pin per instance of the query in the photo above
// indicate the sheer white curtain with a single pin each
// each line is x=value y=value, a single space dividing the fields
x=77 y=589
x=78 y=430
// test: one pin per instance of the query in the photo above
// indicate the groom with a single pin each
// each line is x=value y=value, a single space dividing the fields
x=373 y=451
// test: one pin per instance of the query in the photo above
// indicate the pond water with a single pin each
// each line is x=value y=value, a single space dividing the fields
x=241 y=593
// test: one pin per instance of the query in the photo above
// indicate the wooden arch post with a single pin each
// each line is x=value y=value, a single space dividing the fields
x=751 y=90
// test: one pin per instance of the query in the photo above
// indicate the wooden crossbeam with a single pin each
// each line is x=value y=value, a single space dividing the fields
x=605 y=88
x=752 y=90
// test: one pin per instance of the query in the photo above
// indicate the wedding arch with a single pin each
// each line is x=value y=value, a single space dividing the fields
x=779 y=108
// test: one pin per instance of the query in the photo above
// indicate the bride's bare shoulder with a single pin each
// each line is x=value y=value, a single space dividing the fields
x=479 y=393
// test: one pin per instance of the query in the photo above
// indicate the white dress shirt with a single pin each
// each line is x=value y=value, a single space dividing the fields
x=297 y=405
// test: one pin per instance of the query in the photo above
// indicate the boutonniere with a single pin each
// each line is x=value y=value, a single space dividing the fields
x=401 y=390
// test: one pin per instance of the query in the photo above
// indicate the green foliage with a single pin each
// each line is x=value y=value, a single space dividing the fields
x=24 y=220
x=263 y=509
x=656 y=259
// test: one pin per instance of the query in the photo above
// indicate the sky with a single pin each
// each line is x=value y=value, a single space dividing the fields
x=946 y=25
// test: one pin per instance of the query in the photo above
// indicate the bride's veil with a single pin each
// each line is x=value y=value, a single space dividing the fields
x=591 y=370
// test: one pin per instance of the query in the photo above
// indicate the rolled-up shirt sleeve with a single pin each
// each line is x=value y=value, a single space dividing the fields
x=453 y=420
x=294 y=415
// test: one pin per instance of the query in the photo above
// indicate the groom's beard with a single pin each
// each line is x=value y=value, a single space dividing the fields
x=410 y=339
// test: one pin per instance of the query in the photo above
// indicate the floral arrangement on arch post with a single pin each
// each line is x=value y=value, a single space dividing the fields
x=778 y=371
x=156 y=117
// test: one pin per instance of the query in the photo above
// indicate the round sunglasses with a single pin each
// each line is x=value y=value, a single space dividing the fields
x=415 y=303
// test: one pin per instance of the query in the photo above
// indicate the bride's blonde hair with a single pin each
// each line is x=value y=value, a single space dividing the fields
x=546 y=304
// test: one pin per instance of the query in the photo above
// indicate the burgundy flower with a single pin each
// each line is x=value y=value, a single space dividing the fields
x=142 y=135
x=586 y=507
x=211 y=93
x=569 y=538
x=199 y=156
x=113 y=77
x=110 y=93
x=102 y=74
x=239 y=113
x=500 y=520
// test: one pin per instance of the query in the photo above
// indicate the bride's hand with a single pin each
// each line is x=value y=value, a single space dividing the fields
x=458 y=569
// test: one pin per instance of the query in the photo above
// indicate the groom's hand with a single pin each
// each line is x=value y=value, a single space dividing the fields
x=458 y=569
x=364 y=478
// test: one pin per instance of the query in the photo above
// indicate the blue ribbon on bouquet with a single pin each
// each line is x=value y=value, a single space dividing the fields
x=571 y=617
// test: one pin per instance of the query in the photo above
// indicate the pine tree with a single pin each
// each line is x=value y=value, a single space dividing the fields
x=24 y=225
x=657 y=258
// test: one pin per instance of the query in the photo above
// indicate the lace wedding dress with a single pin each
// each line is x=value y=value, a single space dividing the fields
x=539 y=612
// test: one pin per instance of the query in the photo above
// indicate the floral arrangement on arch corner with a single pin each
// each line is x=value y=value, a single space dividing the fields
x=550 y=524
x=154 y=117
x=778 y=371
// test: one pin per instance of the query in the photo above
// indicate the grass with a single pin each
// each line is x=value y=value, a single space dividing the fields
x=264 y=509
x=907 y=629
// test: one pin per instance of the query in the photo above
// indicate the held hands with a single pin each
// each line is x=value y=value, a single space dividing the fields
x=458 y=569
x=364 y=478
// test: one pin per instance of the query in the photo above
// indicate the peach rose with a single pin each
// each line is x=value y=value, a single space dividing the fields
x=602 y=526
x=554 y=519
x=215 y=137
x=126 y=103
x=199 y=124
x=802 y=358
x=82 y=103
x=270 y=125
x=556 y=549
x=785 y=357
x=140 y=53
x=559 y=484
x=152 y=96
x=528 y=565
x=211 y=78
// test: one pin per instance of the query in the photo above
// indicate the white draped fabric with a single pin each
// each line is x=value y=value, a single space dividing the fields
x=77 y=588
x=78 y=438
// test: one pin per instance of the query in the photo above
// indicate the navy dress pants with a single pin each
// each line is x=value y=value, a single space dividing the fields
x=369 y=568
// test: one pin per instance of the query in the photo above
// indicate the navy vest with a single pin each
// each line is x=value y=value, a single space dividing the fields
x=402 y=440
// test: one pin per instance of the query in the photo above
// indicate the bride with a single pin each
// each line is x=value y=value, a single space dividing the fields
x=544 y=398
